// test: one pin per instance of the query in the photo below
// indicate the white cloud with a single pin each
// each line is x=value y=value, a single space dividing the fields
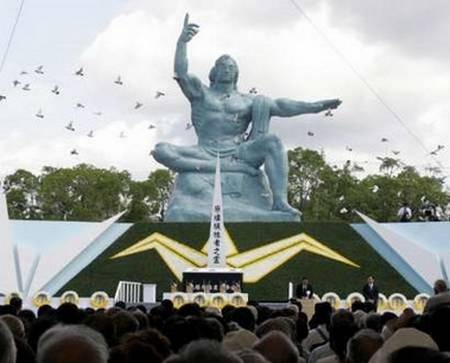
x=278 y=52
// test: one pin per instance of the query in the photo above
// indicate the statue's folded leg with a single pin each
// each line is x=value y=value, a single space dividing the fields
x=268 y=150
x=195 y=159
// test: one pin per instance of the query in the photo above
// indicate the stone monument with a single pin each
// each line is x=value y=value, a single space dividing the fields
x=235 y=127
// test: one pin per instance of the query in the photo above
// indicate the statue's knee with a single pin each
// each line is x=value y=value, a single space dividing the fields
x=161 y=151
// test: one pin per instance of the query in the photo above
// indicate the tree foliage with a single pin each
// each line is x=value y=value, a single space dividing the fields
x=321 y=191
x=326 y=193
x=86 y=193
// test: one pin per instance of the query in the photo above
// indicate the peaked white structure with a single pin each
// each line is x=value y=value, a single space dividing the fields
x=8 y=276
x=411 y=259
x=216 y=248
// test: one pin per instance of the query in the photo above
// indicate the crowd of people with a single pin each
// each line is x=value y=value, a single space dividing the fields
x=254 y=333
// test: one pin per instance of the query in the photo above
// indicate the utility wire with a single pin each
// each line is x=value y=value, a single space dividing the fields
x=11 y=36
x=365 y=82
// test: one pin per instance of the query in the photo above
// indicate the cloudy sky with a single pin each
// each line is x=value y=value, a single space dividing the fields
x=399 y=48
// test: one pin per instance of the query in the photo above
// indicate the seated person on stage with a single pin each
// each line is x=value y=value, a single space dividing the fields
x=214 y=288
x=229 y=289
x=189 y=287
x=237 y=286
x=304 y=290
x=207 y=287
x=198 y=288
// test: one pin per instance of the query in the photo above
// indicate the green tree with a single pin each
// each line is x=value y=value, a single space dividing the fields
x=22 y=190
x=84 y=193
x=150 y=197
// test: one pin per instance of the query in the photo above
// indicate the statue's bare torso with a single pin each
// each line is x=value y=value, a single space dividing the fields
x=221 y=121
x=221 y=116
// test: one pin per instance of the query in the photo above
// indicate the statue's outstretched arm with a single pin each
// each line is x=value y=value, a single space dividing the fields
x=285 y=107
x=190 y=85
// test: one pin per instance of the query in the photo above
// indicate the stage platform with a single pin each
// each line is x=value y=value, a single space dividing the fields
x=336 y=257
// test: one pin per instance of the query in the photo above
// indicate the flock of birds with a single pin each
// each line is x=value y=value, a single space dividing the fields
x=56 y=90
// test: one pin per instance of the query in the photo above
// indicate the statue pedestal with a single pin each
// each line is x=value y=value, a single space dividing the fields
x=246 y=198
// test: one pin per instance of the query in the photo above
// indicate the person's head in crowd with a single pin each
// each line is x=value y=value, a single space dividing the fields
x=264 y=313
x=357 y=305
x=244 y=317
x=124 y=323
x=16 y=302
x=238 y=340
x=404 y=337
x=275 y=324
x=141 y=318
x=418 y=355
x=167 y=304
x=342 y=328
x=103 y=324
x=440 y=286
x=301 y=327
x=28 y=317
x=72 y=344
x=374 y=322
x=360 y=318
x=362 y=346
x=39 y=327
x=68 y=313
x=7 y=310
x=45 y=310
x=121 y=305
x=207 y=328
x=212 y=310
x=15 y=325
x=204 y=350
x=190 y=309
x=369 y=307
x=144 y=346
x=277 y=347
x=180 y=331
x=251 y=356
x=227 y=310
x=141 y=308
x=7 y=346
x=404 y=319
x=439 y=325
x=322 y=315
x=388 y=316
x=296 y=302
x=254 y=311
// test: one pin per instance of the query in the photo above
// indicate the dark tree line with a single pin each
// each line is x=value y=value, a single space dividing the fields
x=321 y=191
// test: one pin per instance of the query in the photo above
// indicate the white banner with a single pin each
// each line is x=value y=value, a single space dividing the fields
x=216 y=249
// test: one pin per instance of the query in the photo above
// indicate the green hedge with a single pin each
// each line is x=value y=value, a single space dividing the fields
x=325 y=274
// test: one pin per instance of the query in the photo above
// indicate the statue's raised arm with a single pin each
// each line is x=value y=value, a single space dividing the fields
x=190 y=85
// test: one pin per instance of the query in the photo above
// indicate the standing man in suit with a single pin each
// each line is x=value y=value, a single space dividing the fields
x=304 y=290
x=370 y=291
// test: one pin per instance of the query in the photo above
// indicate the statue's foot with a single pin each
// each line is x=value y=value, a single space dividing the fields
x=283 y=206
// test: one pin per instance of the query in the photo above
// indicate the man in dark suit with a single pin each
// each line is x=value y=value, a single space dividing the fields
x=370 y=291
x=304 y=290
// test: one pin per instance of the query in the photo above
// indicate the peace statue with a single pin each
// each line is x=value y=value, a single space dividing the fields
x=221 y=115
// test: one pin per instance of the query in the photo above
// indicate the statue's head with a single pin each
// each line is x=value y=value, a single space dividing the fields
x=225 y=70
